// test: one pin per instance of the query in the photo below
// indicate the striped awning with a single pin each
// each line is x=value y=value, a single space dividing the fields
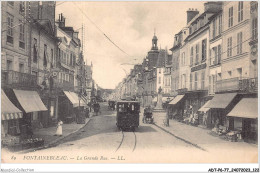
x=8 y=109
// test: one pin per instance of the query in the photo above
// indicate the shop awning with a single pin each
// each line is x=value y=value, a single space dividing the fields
x=8 y=109
x=221 y=100
x=76 y=97
x=71 y=98
x=30 y=101
x=204 y=107
x=246 y=108
x=176 y=99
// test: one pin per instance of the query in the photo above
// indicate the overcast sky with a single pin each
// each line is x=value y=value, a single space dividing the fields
x=128 y=24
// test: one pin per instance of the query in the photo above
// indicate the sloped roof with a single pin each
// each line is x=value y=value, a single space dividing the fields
x=161 y=59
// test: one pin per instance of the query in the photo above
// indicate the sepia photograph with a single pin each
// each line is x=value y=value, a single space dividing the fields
x=119 y=82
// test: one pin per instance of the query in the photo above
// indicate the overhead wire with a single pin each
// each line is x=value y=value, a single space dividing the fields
x=109 y=39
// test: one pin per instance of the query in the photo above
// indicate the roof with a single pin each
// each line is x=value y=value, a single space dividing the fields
x=161 y=59
x=169 y=60
x=67 y=28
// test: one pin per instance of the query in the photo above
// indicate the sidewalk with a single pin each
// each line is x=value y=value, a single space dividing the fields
x=200 y=137
x=47 y=134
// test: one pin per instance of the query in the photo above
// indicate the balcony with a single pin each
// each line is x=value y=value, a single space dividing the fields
x=18 y=79
x=237 y=84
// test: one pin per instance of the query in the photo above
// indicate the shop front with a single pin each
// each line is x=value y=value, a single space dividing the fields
x=220 y=106
x=32 y=106
x=10 y=116
x=243 y=118
x=70 y=107
x=204 y=115
x=176 y=108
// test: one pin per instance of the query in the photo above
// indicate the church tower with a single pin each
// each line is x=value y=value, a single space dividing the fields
x=154 y=42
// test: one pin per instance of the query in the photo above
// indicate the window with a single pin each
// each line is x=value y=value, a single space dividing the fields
x=202 y=80
x=230 y=73
x=254 y=29
x=195 y=81
x=214 y=29
x=229 y=47
x=21 y=68
x=219 y=53
x=239 y=43
x=240 y=11
x=191 y=81
x=159 y=70
x=159 y=80
x=21 y=36
x=45 y=56
x=21 y=7
x=10 y=24
x=52 y=59
x=230 y=17
x=184 y=81
x=71 y=59
x=197 y=53
x=9 y=65
x=220 y=24
x=214 y=83
x=210 y=85
x=204 y=50
x=239 y=70
x=201 y=22
x=191 y=55
x=195 y=26
x=35 y=50
x=215 y=52
x=183 y=58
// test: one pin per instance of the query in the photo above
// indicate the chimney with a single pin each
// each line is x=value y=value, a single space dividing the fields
x=191 y=13
x=61 y=20
x=213 y=6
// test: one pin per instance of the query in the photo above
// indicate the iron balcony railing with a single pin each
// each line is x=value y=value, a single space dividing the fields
x=237 y=84
x=18 y=79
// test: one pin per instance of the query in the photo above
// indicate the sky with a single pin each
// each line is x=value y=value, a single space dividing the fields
x=130 y=25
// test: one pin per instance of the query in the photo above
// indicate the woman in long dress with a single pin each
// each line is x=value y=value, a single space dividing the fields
x=59 y=129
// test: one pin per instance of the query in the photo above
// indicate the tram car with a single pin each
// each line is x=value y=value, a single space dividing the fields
x=127 y=114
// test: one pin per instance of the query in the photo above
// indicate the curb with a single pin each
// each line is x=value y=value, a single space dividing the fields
x=52 y=144
x=184 y=140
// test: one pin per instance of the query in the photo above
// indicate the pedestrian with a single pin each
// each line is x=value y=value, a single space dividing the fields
x=59 y=129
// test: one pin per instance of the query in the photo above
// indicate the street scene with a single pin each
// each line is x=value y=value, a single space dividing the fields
x=129 y=82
